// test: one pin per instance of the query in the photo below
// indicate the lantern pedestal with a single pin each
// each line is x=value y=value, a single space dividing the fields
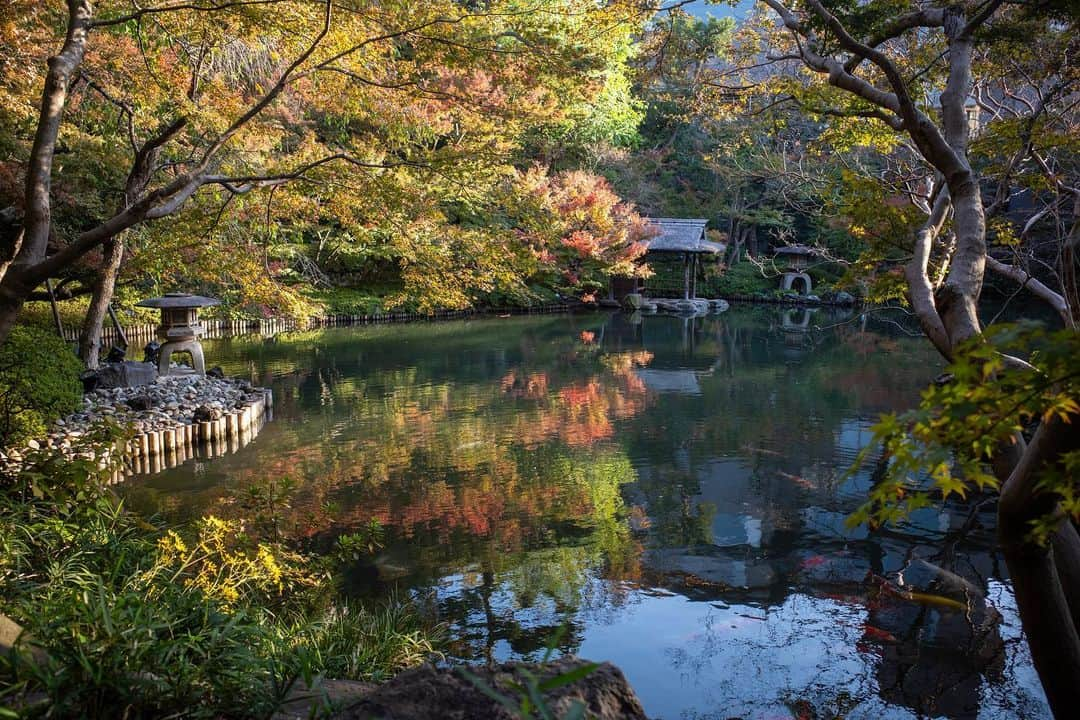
x=180 y=329
x=189 y=345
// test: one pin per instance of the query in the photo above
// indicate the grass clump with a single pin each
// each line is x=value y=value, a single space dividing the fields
x=123 y=618
x=39 y=382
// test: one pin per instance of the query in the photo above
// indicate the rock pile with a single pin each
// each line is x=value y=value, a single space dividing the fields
x=173 y=413
x=168 y=402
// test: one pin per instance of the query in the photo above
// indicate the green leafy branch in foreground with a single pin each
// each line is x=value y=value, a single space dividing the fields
x=987 y=401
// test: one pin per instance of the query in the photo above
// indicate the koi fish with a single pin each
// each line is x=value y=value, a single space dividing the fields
x=797 y=479
x=812 y=562
x=929 y=599
x=919 y=597
x=876 y=634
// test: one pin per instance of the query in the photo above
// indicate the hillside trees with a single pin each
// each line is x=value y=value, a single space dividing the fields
x=374 y=111
x=751 y=173
x=903 y=78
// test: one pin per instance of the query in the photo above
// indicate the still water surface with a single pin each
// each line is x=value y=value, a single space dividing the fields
x=672 y=491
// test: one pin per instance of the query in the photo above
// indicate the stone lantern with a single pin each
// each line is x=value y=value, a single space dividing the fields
x=180 y=328
x=796 y=259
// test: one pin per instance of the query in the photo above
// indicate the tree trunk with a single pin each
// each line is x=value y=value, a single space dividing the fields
x=1051 y=635
x=1039 y=586
x=12 y=296
x=1066 y=544
x=104 y=286
x=734 y=243
x=958 y=297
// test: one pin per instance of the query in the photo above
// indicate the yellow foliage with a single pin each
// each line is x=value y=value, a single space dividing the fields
x=223 y=563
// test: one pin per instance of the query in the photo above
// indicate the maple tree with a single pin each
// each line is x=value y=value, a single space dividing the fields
x=370 y=115
x=577 y=229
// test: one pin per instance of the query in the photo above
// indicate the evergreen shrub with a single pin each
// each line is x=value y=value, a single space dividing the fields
x=39 y=382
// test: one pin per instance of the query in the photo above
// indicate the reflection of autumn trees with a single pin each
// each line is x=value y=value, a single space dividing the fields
x=438 y=431
x=454 y=462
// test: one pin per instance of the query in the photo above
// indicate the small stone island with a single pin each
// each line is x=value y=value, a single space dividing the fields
x=175 y=412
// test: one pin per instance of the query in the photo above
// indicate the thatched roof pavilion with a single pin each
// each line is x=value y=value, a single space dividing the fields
x=686 y=236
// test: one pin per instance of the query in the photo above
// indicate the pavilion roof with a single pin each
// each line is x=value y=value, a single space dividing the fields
x=682 y=235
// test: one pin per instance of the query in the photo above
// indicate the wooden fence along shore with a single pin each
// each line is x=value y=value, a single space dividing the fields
x=139 y=335
x=157 y=450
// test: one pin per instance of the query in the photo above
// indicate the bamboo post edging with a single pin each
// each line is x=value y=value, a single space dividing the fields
x=155 y=450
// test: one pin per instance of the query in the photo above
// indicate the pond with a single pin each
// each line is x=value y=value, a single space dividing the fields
x=668 y=494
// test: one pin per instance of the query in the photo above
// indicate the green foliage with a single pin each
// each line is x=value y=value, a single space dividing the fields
x=366 y=541
x=39 y=382
x=942 y=447
x=367 y=300
x=354 y=643
x=207 y=622
x=610 y=119
x=744 y=278
x=265 y=505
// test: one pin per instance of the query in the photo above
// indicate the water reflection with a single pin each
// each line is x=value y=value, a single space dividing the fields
x=669 y=489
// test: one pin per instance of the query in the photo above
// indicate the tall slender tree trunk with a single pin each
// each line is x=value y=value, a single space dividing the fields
x=104 y=288
x=957 y=299
x=1044 y=575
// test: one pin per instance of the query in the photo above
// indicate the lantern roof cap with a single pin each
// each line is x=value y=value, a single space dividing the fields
x=796 y=250
x=179 y=300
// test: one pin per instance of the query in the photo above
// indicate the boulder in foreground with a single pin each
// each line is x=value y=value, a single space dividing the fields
x=429 y=692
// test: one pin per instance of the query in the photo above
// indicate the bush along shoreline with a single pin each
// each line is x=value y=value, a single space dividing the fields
x=39 y=382
x=107 y=614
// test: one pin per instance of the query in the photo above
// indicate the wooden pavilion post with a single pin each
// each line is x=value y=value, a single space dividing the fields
x=694 y=274
x=686 y=276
